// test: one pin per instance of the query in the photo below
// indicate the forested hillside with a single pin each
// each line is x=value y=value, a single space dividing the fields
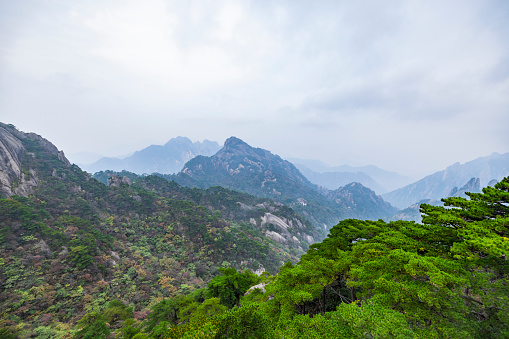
x=445 y=278
x=238 y=166
x=143 y=257
x=73 y=244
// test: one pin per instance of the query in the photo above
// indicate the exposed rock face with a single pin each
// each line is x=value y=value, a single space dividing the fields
x=269 y=218
x=278 y=238
x=116 y=181
x=15 y=179
x=260 y=286
x=44 y=248
x=11 y=154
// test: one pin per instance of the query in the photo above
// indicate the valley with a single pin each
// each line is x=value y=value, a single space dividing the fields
x=126 y=250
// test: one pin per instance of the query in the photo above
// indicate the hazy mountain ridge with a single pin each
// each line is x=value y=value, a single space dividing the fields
x=363 y=200
x=377 y=179
x=441 y=184
x=239 y=166
x=334 y=180
x=166 y=159
x=128 y=239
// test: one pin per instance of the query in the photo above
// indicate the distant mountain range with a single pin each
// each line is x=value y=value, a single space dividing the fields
x=165 y=159
x=377 y=179
x=484 y=171
x=239 y=166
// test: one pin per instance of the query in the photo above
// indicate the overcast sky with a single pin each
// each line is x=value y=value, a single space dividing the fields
x=410 y=86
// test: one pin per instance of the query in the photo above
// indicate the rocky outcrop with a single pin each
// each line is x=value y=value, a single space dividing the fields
x=16 y=178
x=11 y=155
x=278 y=238
x=472 y=186
x=116 y=181
x=438 y=185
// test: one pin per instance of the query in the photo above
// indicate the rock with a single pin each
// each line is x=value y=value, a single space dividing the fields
x=115 y=255
x=111 y=263
x=278 y=238
x=309 y=239
x=11 y=154
x=43 y=247
x=260 y=286
x=14 y=179
x=245 y=207
x=493 y=182
x=270 y=218
x=472 y=186
x=116 y=181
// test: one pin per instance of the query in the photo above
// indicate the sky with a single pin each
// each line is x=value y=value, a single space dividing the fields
x=409 y=86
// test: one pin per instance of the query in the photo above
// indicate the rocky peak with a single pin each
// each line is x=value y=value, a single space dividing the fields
x=472 y=186
x=15 y=178
x=116 y=181
x=234 y=146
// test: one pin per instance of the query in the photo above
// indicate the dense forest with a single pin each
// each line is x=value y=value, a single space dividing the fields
x=445 y=278
x=143 y=257
x=75 y=244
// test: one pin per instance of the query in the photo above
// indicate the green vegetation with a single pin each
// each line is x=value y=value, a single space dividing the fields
x=153 y=259
x=75 y=246
x=445 y=278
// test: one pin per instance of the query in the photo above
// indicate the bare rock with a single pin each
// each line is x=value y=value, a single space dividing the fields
x=278 y=238
x=43 y=248
x=116 y=181
x=260 y=286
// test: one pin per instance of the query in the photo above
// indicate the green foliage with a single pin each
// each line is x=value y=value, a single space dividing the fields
x=231 y=286
x=117 y=311
x=8 y=333
x=129 y=329
x=93 y=325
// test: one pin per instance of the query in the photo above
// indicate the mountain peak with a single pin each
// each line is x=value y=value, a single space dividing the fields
x=235 y=146
x=178 y=141
x=234 y=142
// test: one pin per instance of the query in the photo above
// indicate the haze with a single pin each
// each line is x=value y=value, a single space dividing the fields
x=410 y=86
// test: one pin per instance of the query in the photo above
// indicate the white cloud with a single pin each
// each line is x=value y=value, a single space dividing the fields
x=389 y=82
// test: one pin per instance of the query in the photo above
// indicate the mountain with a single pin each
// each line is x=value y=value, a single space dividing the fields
x=379 y=180
x=441 y=184
x=17 y=173
x=334 y=180
x=239 y=166
x=165 y=159
x=70 y=244
x=363 y=200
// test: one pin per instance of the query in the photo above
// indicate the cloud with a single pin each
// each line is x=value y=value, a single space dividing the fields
x=388 y=81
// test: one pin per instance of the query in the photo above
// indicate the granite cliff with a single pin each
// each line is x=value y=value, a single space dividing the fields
x=16 y=179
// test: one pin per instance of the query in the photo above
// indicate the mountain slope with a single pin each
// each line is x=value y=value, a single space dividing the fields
x=440 y=184
x=165 y=159
x=363 y=200
x=72 y=244
x=332 y=177
x=334 y=180
x=239 y=166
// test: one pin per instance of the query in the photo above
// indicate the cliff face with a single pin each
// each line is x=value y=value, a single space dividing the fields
x=17 y=177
